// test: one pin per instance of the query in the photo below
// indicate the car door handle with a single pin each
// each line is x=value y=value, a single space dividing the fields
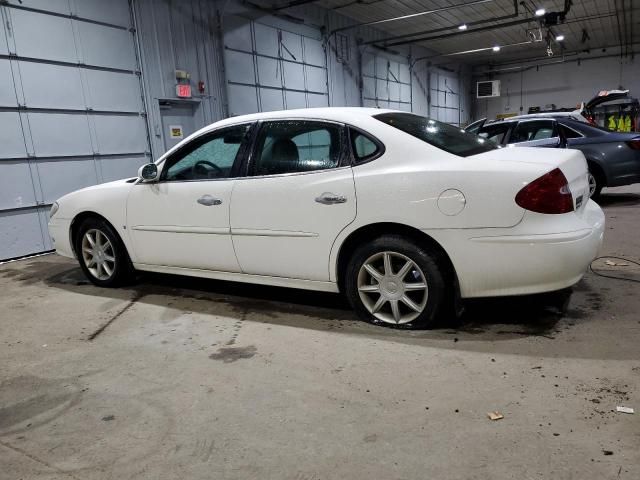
x=208 y=201
x=328 y=198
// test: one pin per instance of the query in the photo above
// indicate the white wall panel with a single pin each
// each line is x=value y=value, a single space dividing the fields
x=120 y=134
x=57 y=6
x=271 y=99
x=39 y=35
x=293 y=75
x=61 y=176
x=269 y=72
x=15 y=179
x=115 y=12
x=51 y=86
x=11 y=137
x=7 y=90
x=115 y=168
x=120 y=54
x=113 y=91
x=20 y=233
x=295 y=100
x=242 y=100
x=55 y=134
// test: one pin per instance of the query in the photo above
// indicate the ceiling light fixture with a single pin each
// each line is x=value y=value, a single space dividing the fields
x=462 y=27
x=496 y=48
x=540 y=12
x=559 y=38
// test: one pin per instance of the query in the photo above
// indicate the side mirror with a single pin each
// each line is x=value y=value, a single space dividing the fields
x=148 y=172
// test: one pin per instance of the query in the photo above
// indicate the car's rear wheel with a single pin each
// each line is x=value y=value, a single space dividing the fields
x=595 y=184
x=393 y=281
x=102 y=255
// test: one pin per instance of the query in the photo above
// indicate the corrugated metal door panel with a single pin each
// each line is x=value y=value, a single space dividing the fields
x=15 y=178
x=386 y=82
x=57 y=6
x=20 y=233
x=11 y=138
x=120 y=54
x=115 y=12
x=242 y=99
x=115 y=168
x=291 y=64
x=56 y=134
x=295 y=99
x=113 y=91
x=51 y=86
x=7 y=90
x=38 y=35
x=61 y=176
x=120 y=134
x=271 y=99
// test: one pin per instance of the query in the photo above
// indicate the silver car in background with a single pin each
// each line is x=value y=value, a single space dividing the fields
x=613 y=158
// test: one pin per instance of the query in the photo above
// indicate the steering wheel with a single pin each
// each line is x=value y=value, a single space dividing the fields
x=205 y=171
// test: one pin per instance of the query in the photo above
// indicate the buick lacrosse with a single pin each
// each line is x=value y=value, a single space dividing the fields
x=401 y=213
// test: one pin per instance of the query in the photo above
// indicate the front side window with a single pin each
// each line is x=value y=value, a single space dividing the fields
x=209 y=157
x=533 y=130
x=441 y=135
x=292 y=146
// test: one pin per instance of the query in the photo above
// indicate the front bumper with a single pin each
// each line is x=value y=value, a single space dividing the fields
x=60 y=233
x=525 y=259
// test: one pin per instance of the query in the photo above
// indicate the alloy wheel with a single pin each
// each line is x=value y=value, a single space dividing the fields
x=98 y=254
x=593 y=184
x=392 y=287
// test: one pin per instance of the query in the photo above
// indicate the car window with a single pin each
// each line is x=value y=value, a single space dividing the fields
x=568 y=132
x=533 y=130
x=208 y=157
x=495 y=133
x=363 y=146
x=441 y=135
x=290 y=146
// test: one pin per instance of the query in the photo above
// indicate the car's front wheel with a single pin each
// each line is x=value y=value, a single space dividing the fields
x=393 y=281
x=102 y=255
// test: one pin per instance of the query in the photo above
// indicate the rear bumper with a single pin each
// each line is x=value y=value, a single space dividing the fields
x=59 y=231
x=521 y=261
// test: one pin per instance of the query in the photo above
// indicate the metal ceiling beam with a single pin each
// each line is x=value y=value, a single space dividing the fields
x=294 y=3
x=412 y=15
x=444 y=29
x=459 y=34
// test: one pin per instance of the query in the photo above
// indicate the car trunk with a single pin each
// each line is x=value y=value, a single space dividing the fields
x=571 y=162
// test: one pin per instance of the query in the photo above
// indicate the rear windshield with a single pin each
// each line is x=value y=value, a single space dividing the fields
x=442 y=135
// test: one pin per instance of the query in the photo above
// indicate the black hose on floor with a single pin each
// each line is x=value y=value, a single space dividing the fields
x=614 y=276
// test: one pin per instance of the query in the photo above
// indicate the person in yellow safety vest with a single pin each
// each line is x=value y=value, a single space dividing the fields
x=621 y=123
x=612 y=123
x=627 y=123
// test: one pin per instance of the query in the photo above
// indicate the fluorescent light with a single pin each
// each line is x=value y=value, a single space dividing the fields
x=540 y=12
x=496 y=48
x=462 y=27
x=559 y=38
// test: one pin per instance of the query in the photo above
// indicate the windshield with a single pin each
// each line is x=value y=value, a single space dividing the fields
x=442 y=135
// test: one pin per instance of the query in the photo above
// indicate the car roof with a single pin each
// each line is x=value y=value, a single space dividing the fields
x=565 y=116
x=340 y=114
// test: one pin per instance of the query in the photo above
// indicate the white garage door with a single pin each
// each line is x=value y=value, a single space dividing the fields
x=71 y=110
x=386 y=82
x=270 y=68
x=445 y=96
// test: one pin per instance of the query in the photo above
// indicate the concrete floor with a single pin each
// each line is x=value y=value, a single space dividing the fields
x=201 y=379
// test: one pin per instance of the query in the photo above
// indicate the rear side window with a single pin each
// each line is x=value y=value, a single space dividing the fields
x=291 y=146
x=568 y=132
x=495 y=133
x=441 y=135
x=364 y=147
x=534 y=130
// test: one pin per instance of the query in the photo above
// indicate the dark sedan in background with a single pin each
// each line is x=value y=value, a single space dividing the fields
x=613 y=158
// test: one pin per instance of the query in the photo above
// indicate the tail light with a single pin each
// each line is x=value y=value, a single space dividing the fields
x=547 y=194
x=634 y=144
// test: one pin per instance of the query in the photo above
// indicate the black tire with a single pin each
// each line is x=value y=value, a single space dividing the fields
x=430 y=264
x=599 y=183
x=122 y=271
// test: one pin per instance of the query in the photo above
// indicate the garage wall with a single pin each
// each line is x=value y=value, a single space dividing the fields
x=71 y=109
x=565 y=84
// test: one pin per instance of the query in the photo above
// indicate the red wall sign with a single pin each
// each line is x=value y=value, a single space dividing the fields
x=183 y=90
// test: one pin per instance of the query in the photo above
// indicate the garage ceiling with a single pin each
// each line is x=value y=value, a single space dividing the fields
x=607 y=23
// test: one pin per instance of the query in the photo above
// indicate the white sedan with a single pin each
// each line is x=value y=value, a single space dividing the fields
x=401 y=213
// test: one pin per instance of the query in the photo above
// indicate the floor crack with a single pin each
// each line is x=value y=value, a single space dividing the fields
x=115 y=317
